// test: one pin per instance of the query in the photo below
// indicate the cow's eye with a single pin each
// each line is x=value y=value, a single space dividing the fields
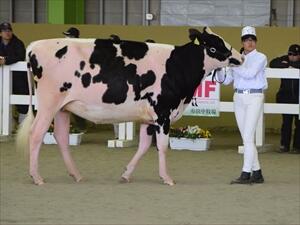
x=212 y=50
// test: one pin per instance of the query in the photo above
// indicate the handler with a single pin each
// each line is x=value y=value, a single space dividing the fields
x=249 y=83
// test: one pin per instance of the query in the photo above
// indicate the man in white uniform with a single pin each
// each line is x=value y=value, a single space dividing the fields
x=249 y=83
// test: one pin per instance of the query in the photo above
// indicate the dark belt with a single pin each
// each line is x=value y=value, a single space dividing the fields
x=248 y=91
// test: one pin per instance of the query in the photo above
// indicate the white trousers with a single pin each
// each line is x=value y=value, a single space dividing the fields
x=247 y=109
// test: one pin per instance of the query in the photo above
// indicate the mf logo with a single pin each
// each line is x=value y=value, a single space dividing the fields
x=205 y=89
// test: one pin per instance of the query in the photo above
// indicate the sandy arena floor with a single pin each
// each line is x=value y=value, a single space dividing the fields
x=202 y=194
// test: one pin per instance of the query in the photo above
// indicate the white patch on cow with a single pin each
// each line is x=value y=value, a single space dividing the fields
x=108 y=113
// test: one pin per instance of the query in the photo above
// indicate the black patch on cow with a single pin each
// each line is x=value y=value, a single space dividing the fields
x=77 y=74
x=36 y=70
x=92 y=66
x=82 y=64
x=152 y=129
x=134 y=50
x=184 y=72
x=147 y=79
x=65 y=87
x=148 y=96
x=117 y=86
x=116 y=75
x=141 y=82
x=86 y=79
x=61 y=52
x=62 y=89
x=112 y=73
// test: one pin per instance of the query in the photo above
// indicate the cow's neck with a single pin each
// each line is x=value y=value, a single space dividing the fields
x=192 y=73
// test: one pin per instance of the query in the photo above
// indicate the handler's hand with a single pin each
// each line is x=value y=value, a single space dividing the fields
x=2 y=60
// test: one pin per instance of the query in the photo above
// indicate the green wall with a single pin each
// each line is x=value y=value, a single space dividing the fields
x=271 y=41
x=65 y=11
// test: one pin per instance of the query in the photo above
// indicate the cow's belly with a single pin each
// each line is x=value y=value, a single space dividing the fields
x=102 y=113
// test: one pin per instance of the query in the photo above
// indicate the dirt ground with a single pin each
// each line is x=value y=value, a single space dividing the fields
x=202 y=195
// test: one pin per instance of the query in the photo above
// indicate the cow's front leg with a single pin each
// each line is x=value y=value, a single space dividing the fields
x=144 y=144
x=61 y=134
x=162 y=140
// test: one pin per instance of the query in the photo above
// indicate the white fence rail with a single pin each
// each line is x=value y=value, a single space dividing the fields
x=7 y=99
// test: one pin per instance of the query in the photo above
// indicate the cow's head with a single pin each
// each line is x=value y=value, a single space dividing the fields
x=216 y=47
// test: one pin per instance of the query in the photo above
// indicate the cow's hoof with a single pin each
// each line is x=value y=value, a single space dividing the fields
x=37 y=180
x=125 y=180
x=169 y=182
x=39 y=183
x=76 y=178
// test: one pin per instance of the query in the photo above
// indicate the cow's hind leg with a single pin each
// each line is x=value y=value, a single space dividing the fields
x=61 y=134
x=162 y=147
x=38 y=130
x=144 y=144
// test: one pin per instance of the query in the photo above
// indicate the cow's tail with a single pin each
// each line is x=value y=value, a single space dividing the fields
x=22 y=138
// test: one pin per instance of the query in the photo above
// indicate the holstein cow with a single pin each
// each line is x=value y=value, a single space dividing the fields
x=107 y=82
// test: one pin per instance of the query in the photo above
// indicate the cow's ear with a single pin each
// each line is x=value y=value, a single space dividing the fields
x=196 y=41
x=193 y=33
x=195 y=36
x=207 y=30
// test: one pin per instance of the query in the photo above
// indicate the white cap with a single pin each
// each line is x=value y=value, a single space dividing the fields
x=248 y=30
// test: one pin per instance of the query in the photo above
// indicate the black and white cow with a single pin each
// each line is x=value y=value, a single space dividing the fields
x=109 y=81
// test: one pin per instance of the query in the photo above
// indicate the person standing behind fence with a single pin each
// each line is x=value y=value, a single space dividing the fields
x=12 y=50
x=72 y=32
x=249 y=83
x=289 y=93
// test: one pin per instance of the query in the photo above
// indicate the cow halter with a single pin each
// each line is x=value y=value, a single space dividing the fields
x=213 y=49
x=214 y=78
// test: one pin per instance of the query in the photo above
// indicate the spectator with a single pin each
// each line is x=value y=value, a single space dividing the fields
x=72 y=32
x=13 y=50
x=289 y=93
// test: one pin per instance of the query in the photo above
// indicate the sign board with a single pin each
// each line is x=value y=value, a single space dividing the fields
x=206 y=100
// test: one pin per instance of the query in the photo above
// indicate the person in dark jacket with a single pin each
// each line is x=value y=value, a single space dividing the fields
x=13 y=50
x=289 y=93
x=72 y=32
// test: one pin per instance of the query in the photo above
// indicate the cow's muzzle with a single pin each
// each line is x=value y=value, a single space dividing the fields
x=235 y=62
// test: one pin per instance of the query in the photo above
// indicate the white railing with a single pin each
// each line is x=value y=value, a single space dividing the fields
x=126 y=130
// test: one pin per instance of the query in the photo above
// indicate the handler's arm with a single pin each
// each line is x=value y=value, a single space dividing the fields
x=251 y=70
